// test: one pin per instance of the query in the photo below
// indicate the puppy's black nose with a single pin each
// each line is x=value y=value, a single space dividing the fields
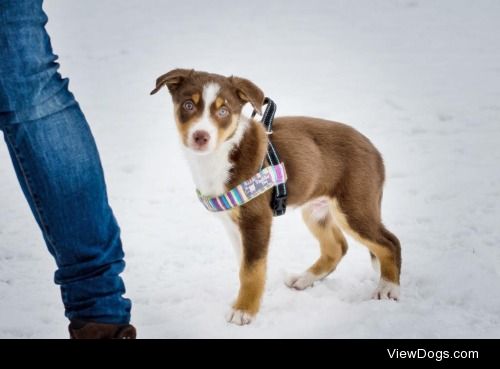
x=201 y=138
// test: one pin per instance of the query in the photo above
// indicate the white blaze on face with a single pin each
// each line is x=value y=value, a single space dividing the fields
x=205 y=123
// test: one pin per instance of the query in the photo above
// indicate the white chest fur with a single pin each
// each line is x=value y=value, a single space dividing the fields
x=211 y=171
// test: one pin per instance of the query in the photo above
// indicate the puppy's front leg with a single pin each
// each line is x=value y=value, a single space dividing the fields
x=255 y=228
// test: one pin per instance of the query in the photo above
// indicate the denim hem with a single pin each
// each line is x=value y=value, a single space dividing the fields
x=104 y=319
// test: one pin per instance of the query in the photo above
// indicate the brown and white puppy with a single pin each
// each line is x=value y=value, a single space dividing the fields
x=334 y=173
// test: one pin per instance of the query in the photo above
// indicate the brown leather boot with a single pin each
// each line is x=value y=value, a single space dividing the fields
x=79 y=329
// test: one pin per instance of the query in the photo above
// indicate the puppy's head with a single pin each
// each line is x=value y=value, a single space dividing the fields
x=208 y=106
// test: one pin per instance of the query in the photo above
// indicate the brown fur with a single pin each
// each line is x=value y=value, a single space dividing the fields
x=322 y=159
x=347 y=168
x=184 y=121
x=255 y=217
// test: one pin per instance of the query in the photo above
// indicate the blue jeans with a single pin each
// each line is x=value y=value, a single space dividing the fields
x=58 y=167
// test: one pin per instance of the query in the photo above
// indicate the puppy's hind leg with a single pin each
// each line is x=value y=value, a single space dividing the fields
x=364 y=225
x=318 y=218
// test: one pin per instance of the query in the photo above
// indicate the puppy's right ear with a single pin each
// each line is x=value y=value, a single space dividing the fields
x=172 y=79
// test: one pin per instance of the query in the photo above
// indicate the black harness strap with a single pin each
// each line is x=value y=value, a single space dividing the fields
x=280 y=194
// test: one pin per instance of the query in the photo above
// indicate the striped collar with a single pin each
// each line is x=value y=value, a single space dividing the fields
x=266 y=179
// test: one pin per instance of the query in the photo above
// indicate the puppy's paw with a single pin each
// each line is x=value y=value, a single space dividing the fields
x=239 y=317
x=386 y=291
x=300 y=281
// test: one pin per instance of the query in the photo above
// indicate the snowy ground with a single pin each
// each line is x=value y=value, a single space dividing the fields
x=420 y=78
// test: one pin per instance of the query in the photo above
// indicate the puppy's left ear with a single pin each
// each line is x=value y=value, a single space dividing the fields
x=249 y=92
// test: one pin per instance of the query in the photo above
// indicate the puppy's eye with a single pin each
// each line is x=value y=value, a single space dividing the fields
x=188 y=106
x=222 y=112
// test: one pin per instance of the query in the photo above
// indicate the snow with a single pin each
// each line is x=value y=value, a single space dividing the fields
x=420 y=78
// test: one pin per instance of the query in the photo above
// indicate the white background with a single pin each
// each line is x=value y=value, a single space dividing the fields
x=420 y=78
